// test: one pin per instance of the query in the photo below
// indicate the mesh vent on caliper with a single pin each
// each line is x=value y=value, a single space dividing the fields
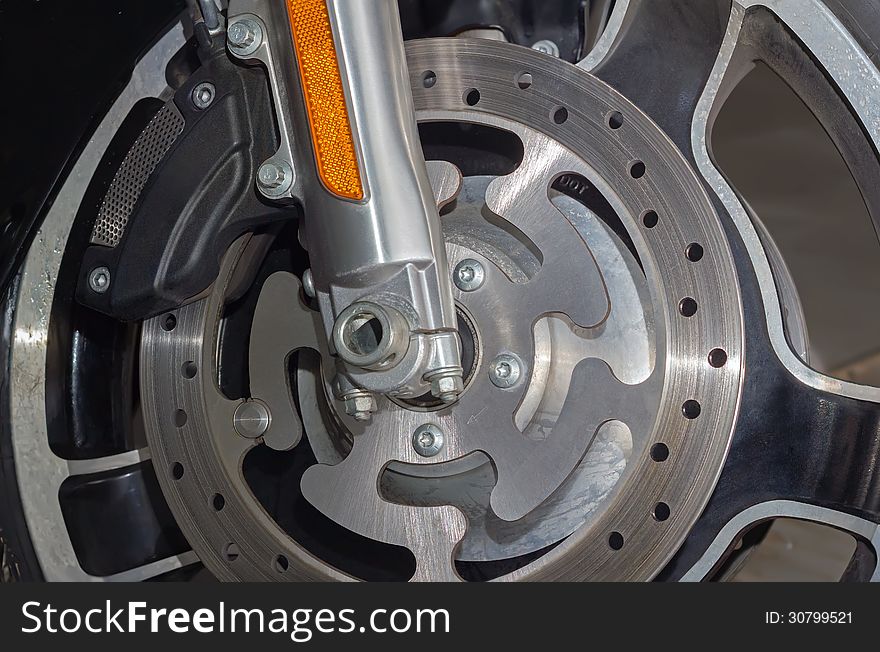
x=131 y=177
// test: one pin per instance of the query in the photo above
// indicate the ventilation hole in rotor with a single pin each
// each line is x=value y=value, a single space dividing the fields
x=169 y=322
x=180 y=418
x=524 y=80
x=694 y=252
x=687 y=307
x=615 y=119
x=189 y=369
x=661 y=512
x=717 y=358
x=429 y=78
x=660 y=452
x=560 y=115
x=471 y=96
x=231 y=552
x=637 y=170
x=177 y=470
x=615 y=541
x=691 y=409
x=219 y=502
x=650 y=219
x=281 y=564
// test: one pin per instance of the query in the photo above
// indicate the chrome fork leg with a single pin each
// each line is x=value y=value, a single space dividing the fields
x=378 y=262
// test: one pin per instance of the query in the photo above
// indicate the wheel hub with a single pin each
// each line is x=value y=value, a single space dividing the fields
x=590 y=331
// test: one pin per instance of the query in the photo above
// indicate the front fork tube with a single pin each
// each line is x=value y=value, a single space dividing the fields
x=378 y=261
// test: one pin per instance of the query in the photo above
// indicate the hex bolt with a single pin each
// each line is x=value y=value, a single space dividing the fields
x=505 y=371
x=270 y=176
x=203 y=95
x=547 y=47
x=469 y=275
x=99 y=280
x=274 y=178
x=308 y=282
x=251 y=419
x=244 y=37
x=427 y=440
x=447 y=386
x=359 y=405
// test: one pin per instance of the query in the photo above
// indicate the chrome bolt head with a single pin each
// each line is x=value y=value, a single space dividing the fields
x=251 y=419
x=203 y=95
x=547 y=47
x=505 y=371
x=274 y=178
x=270 y=176
x=99 y=280
x=447 y=387
x=360 y=406
x=427 y=440
x=244 y=37
x=469 y=275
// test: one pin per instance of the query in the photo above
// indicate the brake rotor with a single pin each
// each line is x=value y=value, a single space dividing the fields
x=610 y=440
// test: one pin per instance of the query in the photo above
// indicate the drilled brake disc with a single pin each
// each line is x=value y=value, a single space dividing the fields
x=623 y=327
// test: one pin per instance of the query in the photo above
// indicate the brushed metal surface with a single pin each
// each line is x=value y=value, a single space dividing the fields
x=528 y=470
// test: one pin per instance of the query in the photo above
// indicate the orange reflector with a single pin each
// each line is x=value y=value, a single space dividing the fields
x=335 y=153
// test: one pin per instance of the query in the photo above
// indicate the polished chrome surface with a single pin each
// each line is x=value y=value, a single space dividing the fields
x=251 y=419
x=390 y=244
x=387 y=248
x=371 y=336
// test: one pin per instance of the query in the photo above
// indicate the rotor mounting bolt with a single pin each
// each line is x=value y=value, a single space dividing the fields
x=99 y=280
x=469 y=275
x=547 y=47
x=203 y=95
x=427 y=440
x=244 y=37
x=251 y=419
x=505 y=371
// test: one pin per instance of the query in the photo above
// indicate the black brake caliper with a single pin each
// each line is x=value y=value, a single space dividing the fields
x=184 y=192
